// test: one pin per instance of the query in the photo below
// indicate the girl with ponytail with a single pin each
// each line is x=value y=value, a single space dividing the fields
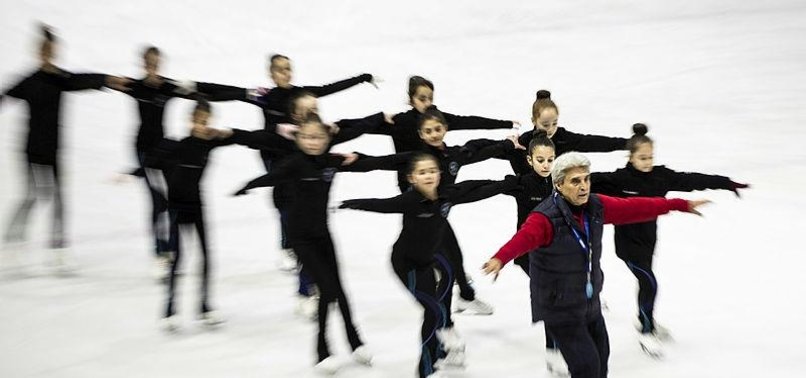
x=635 y=243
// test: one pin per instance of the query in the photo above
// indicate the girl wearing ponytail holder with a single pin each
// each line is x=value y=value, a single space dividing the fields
x=42 y=91
x=563 y=236
x=635 y=243
x=545 y=117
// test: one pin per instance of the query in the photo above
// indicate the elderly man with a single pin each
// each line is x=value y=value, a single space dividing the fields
x=564 y=234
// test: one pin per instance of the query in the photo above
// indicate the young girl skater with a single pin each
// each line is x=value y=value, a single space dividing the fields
x=432 y=128
x=309 y=174
x=184 y=163
x=275 y=103
x=635 y=243
x=564 y=236
x=545 y=115
x=536 y=186
x=42 y=90
x=415 y=254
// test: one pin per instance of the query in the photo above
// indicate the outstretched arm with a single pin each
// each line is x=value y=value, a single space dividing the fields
x=350 y=129
x=477 y=190
x=688 y=181
x=338 y=86
x=568 y=141
x=365 y=163
x=282 y=173
x=536 y=232
x=395 y=204
x=643 y=209
x=457 y=122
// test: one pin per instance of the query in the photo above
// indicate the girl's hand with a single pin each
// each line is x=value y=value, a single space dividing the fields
x=286 y=130
x=514 y=140
x=118 y=83
x=694 y=204
x=349 y=158
x=493 y=266
x=389 y=118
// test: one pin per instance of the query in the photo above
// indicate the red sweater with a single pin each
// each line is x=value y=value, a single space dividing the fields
x=537 y=231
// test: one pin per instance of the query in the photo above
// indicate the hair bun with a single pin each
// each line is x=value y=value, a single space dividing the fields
x=540 y=134
x=47 y=33
x=541 y=94
x=639 y=129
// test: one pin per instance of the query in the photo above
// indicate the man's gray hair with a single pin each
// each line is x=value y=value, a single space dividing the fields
x=565 y=162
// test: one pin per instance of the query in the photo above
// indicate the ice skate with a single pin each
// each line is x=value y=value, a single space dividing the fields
x=450 y=340
x=328 y=366
x=453 y=360
x=362 y=355
x=211 y=318
x=287 y=261
x=474 y=307
x=170 y=324
x=650 y=344
x=308 y=307
x=555 y=363
x=661 y=332
x=59 y=261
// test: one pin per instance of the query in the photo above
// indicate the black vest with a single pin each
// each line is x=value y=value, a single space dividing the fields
x=559 y=271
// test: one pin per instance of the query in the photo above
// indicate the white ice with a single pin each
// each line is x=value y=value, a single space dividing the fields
x=720 y=83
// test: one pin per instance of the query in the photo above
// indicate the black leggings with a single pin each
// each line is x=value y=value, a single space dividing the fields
x=585 y=346
x=160 y=219
x=454 y=254
x=188 y=218
x=421 y=282
x=42 y=181
x=319 y=258
x=641 y=267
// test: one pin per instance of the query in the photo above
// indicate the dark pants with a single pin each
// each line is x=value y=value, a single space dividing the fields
x=523 y=262
x=319 y=258
x=454 y=254
x=160 y=220
x=421 y=282
x=185 y=219
x=641 y=267
x=42 y=181
x=584 y=345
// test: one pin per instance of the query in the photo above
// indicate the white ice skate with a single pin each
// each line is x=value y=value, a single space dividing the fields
x=474 y=307
x=328 y=366
x=453 y=360
x=308 y=307
x=211 y=319
x=450 y=339
x=362 y=355
x=287 y=261
x=650 y=344
x=555 y=363
x=170 y=324
x=661 y=332
x=60 y=262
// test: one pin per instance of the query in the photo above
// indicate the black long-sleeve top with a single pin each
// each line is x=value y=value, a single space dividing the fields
x=425 y=220
x=185 y=161
x=309 y=178
x=452 y=158
x=639 y=239
x=565 y=141
x=532 y=189
x=42 y=91
x=405 y=134
x=151 y=102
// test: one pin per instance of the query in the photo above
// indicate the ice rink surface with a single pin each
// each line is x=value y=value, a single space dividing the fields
x=720 y=83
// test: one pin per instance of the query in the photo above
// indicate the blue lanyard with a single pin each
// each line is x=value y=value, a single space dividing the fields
x=584 y=243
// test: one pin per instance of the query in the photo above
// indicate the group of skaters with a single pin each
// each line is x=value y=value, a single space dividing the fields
x=562 y=205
